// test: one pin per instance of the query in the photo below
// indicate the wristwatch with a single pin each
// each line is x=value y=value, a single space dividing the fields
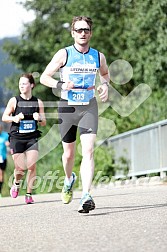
x=105 y=83
x=40 y=119
x=59 y=84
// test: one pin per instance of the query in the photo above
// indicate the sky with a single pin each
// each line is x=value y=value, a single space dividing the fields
x=12 y=17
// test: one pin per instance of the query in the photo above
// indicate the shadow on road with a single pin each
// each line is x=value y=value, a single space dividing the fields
x=125 y=209
x=24 y=204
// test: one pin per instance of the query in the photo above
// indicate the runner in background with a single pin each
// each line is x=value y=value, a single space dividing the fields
x=3 y=154
x=24 y=112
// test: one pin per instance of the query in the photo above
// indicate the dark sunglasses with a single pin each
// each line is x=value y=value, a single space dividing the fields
x=86 y=30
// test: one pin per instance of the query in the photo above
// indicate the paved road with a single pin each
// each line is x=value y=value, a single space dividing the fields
x=126 y=219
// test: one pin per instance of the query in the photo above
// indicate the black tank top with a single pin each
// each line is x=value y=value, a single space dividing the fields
x=28 y=127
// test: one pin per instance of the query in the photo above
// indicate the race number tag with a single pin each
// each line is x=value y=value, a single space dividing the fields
x=78 y=97
x=27 y=126
x=1 y=159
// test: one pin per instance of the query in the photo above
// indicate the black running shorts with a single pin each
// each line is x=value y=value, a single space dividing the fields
x=20 y=145
x=3 y=165
x=73 y=117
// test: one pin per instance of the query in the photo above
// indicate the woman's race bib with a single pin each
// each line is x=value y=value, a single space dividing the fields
x=27 y=126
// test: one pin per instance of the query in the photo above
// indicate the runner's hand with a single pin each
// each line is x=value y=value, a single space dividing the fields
x=103 y=92
x=18 y=118
x=68 y=85
x=36 y=116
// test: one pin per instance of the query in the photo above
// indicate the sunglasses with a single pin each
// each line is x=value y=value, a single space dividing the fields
x=86 y=30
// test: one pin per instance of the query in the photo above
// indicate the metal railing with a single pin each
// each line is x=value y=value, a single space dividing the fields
x=144 y=148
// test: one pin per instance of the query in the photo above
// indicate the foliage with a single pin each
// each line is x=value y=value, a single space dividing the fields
x=153 y=109
x=130 y=30
x=135 y=31
x=145 y=39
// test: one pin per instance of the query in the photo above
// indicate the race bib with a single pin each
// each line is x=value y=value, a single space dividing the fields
x=78 y=97
x=1 y=159
x=27 y=126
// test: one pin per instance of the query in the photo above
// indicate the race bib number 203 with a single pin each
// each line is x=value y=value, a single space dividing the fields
x=78 y=97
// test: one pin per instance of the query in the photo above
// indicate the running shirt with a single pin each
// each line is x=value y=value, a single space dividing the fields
x=27 y=128
x=80 y=68
x=3 y=149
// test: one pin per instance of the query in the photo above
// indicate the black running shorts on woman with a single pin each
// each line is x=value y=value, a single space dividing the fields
x=22 y=145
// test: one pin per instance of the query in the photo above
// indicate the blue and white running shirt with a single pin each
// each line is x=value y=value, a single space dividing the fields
x=80 y=68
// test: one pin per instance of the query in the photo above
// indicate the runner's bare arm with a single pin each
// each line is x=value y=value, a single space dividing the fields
x=104 y=78
x=40 y=117
x=7 y=115
x=57 y=61
x=104 y=71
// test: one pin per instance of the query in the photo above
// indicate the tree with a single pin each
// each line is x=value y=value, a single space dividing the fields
x=131 y=30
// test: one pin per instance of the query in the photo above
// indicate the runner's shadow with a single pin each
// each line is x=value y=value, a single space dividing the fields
x=35 y=203
x=124 y=209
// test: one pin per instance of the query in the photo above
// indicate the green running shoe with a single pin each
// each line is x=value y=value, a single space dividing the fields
x=67 y=191
x=86 y=204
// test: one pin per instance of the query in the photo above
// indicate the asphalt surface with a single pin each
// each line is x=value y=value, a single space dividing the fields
x=125 y=219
